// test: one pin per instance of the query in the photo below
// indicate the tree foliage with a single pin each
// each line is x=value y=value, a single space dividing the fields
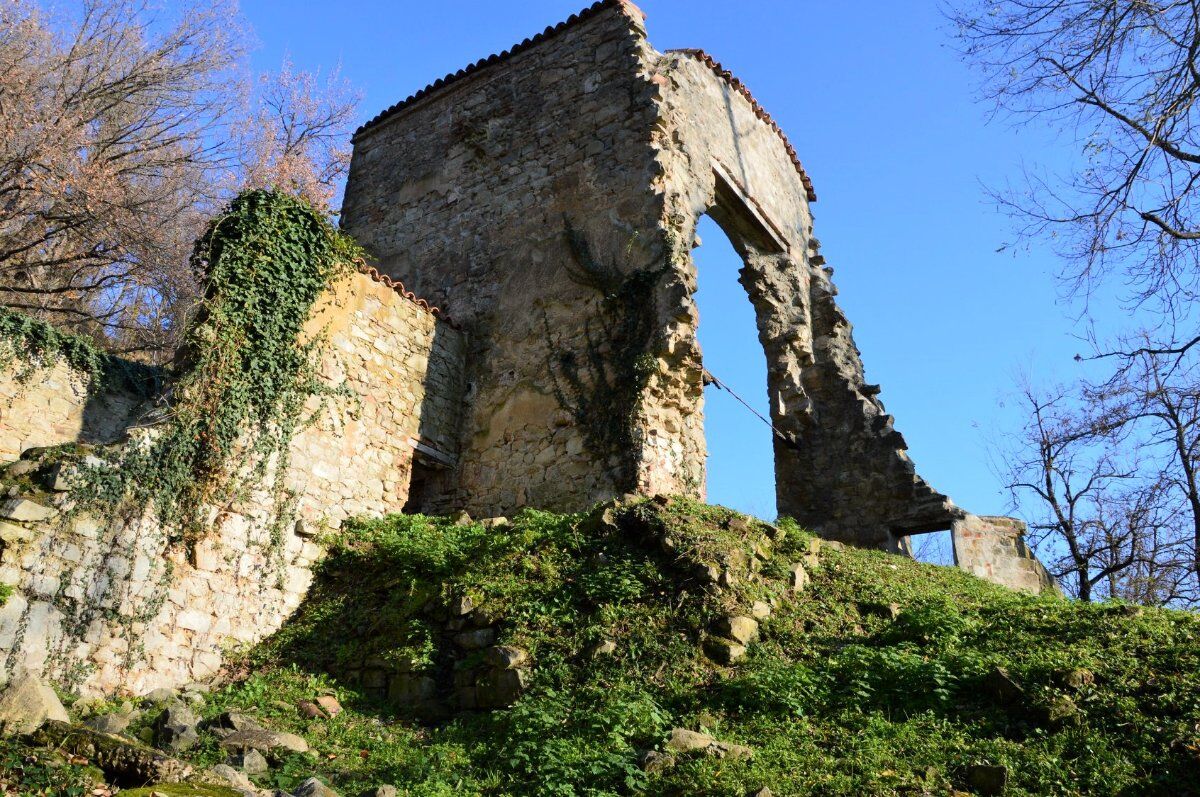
x=121 y=134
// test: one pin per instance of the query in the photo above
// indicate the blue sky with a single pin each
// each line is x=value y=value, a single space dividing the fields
x=884 y=118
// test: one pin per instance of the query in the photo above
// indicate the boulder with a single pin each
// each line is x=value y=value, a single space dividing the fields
x=386 y=791
x=26 y=704
x=314 y=788
x=175 y=728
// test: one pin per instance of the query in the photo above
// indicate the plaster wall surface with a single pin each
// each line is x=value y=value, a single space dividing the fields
x=120 y=604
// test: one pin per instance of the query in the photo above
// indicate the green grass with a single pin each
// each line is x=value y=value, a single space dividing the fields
x=835 y=699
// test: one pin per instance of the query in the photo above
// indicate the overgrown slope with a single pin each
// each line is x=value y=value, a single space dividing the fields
x=879 y=676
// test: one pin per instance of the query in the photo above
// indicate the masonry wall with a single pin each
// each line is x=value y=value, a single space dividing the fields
x=841 y=468
x=465 y=195
x=994 y=549
x=114 y=605
x=47 y=406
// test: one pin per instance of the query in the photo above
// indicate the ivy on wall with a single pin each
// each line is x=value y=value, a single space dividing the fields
x=34 y=344
x=601 y=385
x=243 y=373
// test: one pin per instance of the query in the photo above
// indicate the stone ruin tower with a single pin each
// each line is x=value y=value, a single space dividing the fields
x=547 y=198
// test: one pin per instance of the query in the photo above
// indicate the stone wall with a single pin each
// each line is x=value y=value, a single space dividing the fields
x=111 y=604
x=53 y=404
x=465 y=194
x=994 y=548
x=463 y=191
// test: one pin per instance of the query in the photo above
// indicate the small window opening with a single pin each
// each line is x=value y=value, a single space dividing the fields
x=934 y=548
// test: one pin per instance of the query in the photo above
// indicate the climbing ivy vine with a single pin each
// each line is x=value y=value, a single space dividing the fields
x=601 y=385
x=244 y=374
x=35 y=344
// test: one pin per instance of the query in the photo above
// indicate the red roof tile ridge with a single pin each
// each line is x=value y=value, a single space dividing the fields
x=759 y=111
x=626 y=7
x=398 y=287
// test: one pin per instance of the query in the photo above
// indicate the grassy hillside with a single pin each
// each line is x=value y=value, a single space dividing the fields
x=879 y=676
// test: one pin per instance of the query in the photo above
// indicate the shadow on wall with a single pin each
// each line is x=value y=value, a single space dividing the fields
x=437 y=443
x=55 y=405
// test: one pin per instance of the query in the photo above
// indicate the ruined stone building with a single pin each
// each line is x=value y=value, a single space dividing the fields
x=543 y=204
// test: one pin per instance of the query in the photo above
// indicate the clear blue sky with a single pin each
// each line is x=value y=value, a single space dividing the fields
x=882 y=114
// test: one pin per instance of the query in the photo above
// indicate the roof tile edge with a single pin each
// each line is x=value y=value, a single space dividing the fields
x=625 y=6
x=759 y=111
x=398 y=287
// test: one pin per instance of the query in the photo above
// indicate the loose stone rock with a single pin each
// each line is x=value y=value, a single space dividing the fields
x=314 y=788
x=386 y=791
x=760 y=610
x=310 y=709
x=175 y=728
x=506 y=657
x=724 y=651
x=605 y=648
x=264 y=740
x=110 y=723
x=799 y=577
x=251 y=762
x=738 y=628
x=330 y=705
x=26 y=704
x=228 y=774
x=23 y=510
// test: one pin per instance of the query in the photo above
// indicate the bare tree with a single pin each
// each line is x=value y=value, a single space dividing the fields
x=298 y=137
x=1156 y=398
x=1103 y=523
x=108 y=154
x=120 y=135
x=1123 y=77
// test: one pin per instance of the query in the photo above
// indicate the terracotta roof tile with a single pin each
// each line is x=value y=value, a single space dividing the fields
x=398 y=287
x=624 y=5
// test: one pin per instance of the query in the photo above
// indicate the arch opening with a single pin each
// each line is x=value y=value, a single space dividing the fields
x=740 y=465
